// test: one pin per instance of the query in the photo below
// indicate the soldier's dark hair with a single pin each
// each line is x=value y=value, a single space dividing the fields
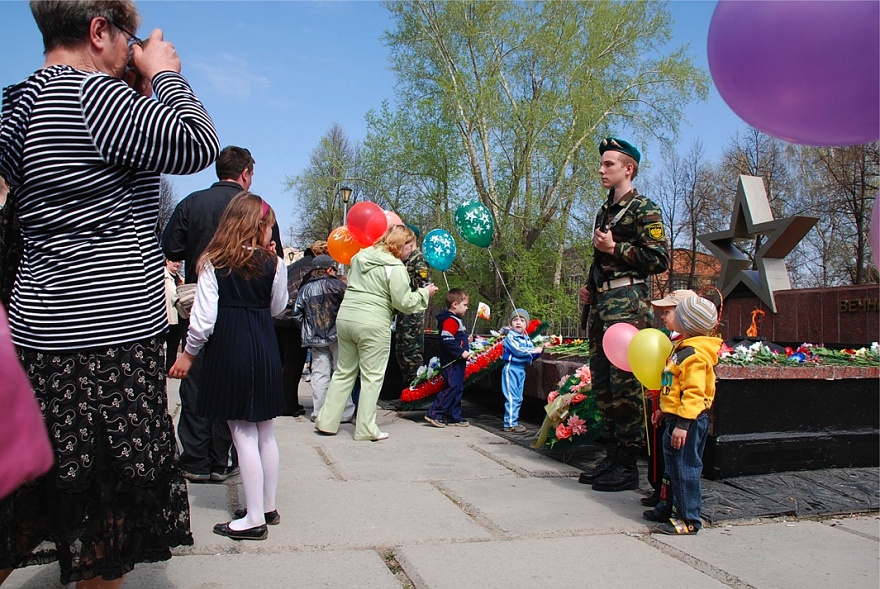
x=232 y=161
x=455 y=295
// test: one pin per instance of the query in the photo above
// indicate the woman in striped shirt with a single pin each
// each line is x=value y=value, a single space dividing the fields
x=83 y=152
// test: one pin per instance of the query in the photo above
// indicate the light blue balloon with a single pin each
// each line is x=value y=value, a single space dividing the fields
x=439 y=249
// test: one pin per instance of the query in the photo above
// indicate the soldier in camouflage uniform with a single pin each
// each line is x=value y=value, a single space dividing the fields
x=630 y=245
x=410 y=330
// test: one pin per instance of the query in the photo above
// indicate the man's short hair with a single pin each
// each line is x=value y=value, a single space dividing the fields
x=456 y=295
x=232 y=161
x=626 y=160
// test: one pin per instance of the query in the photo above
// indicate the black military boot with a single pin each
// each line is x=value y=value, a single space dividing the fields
x=588 y=477
x=623 y=476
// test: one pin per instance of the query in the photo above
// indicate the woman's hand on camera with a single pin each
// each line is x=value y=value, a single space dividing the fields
x=431 y=288
x=156 y=55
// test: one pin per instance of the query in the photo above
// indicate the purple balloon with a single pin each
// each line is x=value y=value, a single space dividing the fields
x=805 y=72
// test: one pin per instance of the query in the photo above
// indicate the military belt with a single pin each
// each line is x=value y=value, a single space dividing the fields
x=618 y=282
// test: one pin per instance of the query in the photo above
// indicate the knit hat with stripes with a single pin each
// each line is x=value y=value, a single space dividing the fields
x=696 y=316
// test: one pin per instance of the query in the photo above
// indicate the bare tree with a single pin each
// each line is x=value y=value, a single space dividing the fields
x=167 y=202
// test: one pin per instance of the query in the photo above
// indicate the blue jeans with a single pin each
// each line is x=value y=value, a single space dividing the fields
x=684 y=468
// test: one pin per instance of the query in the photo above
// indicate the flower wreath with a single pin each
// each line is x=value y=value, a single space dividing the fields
x=572 y=414
x=429 y=381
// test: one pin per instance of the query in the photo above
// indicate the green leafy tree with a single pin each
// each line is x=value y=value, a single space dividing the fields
x=315 y=191
x=528 y=89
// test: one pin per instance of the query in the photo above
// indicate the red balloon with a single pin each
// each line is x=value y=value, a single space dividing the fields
x=393 y=218
x=342 y=246
x=367 y=222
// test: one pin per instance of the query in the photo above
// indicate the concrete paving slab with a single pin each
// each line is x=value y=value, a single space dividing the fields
x=358 y=514
x=417 y=461
x=303 y=570
x=867 y=525
x=803 y=554
x=549 y=562
x=526 y=462
x=209 y=504
x=549 y=506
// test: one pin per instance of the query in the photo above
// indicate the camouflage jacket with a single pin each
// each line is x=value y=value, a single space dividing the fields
x=640 y=248
x=417 y=268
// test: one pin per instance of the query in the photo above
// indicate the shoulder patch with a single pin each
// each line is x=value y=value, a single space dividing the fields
x=655 y=230
x=683 y=354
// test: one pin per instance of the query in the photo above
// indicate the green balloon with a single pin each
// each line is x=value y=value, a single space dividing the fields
x=474 y=223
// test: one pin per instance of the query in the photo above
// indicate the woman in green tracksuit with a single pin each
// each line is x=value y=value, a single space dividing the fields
x=378 y=283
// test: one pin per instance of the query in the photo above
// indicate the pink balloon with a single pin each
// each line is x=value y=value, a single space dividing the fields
x=366 y=222
x=805 y=72
x=875 y=232
x=616 y=341
x=393 y=218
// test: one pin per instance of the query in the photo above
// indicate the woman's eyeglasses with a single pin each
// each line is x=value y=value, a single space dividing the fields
x=132 y=41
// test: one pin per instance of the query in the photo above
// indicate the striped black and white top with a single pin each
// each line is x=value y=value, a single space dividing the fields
x=83 y=154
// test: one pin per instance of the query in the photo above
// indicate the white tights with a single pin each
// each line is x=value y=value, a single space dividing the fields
x=259 y=464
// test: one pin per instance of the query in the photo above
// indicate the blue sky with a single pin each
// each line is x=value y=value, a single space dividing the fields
x=275 y=75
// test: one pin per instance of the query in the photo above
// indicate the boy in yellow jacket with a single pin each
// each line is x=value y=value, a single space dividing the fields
x=685 y=398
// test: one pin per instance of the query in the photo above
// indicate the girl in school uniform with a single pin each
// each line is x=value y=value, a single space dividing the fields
x=242 y=284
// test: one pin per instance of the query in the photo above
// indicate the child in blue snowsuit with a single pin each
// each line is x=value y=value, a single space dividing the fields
x=519 y=352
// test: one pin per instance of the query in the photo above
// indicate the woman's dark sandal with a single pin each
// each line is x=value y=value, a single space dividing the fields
x=650 y=515
x=677 y=527
x=255 y=533
x=273 y=518
x=321 y=432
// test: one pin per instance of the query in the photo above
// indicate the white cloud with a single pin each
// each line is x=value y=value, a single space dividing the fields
x=230 y=76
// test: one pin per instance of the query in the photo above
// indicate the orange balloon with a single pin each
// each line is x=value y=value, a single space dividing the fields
x=342 y=246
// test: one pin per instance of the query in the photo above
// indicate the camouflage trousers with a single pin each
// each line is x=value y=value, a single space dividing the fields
x=410 y=344
x=618 y=393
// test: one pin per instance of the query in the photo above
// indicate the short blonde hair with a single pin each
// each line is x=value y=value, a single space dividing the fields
x=395 y=238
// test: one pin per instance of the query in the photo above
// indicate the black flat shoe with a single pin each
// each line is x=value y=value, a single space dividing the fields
x=256 y=533
x=649 y=501
x=321 y=432
x=273 y=518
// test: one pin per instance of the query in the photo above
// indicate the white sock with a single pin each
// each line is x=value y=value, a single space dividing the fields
x=270 y=458
x=245 y=436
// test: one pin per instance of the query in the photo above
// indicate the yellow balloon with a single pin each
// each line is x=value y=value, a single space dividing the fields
x=647 y=354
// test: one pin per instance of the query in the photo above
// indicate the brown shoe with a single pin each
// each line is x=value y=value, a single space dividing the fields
x=517 y=429
x=434 y=422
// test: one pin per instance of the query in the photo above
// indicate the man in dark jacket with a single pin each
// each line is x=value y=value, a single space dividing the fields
x=208 y=454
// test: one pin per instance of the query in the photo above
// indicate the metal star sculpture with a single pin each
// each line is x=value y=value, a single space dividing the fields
x=750 y=218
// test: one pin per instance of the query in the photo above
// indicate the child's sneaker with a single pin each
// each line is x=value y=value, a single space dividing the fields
x=517 y=429
x=677 y=527
x=462 y=423
x=433 y=421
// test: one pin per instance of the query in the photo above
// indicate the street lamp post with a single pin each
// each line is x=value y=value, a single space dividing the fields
x=345 y=193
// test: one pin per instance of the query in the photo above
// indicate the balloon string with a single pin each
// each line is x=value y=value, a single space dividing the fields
x=498 y=271
x=645 y=413
x=445 y=280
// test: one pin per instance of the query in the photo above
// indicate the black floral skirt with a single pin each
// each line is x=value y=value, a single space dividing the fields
x=116 y=495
